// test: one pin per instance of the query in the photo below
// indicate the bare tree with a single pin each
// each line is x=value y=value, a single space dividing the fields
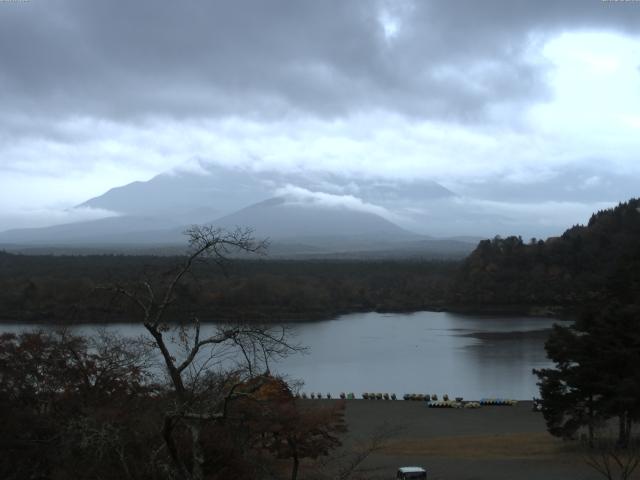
x=237 y=352
x=349 y=464
x=613 y=462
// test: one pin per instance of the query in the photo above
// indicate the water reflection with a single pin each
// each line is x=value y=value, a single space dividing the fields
x=421 y=352
x=428 y=352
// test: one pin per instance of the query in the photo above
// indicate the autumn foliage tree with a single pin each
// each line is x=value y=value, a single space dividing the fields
x=293 y=429
x=70 y=403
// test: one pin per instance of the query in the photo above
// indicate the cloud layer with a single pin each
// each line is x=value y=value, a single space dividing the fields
x=515 y=102
x=452 y=60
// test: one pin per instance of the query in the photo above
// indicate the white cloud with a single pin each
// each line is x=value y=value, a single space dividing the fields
x=42 y=217
x=294 y=194
x=592 y=181
x=596 y=98
x=466 y=216
x=546 y=217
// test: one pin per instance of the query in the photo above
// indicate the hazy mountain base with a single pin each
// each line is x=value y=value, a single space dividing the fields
x=305 y=248
x=293 y=230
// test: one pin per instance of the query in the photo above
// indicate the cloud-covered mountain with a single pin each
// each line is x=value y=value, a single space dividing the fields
x=313 y=213
x=311 y=209
x=216 y=190
x=294 y=227
x=214 y=193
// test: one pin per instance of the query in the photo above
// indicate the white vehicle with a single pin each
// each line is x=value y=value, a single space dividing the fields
x=406 y=473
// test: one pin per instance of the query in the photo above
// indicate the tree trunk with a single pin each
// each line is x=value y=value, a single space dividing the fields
x=167 y=434
x=623 y=430
x=294 y=470
x=197 y=452
x=176 y=378
x=591 y=420
x=296 y=460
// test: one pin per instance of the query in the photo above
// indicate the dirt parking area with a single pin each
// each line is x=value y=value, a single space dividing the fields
x=492 y=442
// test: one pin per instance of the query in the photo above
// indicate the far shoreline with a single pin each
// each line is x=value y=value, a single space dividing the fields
x=493 y=311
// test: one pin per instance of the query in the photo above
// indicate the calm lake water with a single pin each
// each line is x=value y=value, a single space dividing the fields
x=423 y=352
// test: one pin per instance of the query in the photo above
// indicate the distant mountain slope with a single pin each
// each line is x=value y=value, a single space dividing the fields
x=280 y=218
x=88 y=232
x=128 y=229
x=277 y=218
x=220 y=191
x=295 y=229
x=224 y=190
x=586 y=265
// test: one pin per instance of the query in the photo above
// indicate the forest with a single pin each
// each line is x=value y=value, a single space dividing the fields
x=586 y=265
x=68 y=288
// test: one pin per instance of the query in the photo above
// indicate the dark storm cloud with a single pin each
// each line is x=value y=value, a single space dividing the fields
x=447 y=59
x=185 y=58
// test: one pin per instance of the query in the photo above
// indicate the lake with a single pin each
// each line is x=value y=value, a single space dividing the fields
x=425 y=352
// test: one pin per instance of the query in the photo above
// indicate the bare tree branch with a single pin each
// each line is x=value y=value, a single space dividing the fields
x=207 y=399
x=613 y=462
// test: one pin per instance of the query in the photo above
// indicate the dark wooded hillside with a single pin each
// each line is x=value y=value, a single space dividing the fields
x=587 y=264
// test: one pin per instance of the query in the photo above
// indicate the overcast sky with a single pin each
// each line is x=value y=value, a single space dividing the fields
x=529 y=107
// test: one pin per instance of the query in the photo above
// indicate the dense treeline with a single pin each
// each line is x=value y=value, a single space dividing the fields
x=67 y=288
x=586 y=265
